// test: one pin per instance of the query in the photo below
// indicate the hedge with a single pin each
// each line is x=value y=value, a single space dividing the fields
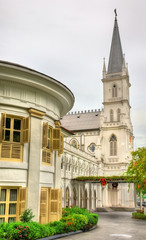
x=139 y=215
x=73 y=219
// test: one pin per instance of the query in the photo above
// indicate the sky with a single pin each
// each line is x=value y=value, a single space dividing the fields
x=68 y=39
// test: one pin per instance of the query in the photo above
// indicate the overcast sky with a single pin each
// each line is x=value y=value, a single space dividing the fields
x=68 y=39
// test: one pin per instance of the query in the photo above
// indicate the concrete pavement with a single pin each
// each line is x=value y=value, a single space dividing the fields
x=114 y=226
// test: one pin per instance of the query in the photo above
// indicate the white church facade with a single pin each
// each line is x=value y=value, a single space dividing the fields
x=43 y=146
x=107 y=135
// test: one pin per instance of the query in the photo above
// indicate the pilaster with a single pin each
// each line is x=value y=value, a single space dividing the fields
x=34 y=165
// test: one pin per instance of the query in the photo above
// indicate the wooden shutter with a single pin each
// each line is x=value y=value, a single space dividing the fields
x=25 y=129
x=45 y=135
x=0 y=192
x=1 y=127
x=6 y=150
x=51 y=139
x=55 y=205
x=3 y=123
x=61 y=144
x=60 y=204
x=22 y=200
x=44 y=206
x=46 y=156
x=16 y=151
x=56 y=138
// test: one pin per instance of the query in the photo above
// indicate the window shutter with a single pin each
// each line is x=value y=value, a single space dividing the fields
x=60 y=203
x=25 y=125
x=46 y=156
x=55 y=205
x=61 y=144
x=16 y=151
x=51 y=139
x=1 y=130
x=6 y=150
x=3 y=123
x=0 y=192
x=22 y=202
x=45 y=135
x=56 y=138
x=44 y=206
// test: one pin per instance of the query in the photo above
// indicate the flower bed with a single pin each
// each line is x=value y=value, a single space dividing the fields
x=73 y=219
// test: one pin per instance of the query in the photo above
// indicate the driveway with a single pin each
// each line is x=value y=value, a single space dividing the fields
x=114 y=226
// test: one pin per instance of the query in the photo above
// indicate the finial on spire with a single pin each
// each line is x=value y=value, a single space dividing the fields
x=115 y=11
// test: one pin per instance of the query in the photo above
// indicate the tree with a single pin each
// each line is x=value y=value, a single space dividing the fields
x=136 y=171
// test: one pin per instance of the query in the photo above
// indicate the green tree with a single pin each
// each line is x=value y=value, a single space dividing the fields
x=136 y=171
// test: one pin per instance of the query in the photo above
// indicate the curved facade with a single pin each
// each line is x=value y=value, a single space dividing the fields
x=30 y=139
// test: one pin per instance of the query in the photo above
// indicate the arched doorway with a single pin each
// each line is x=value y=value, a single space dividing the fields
x=86 y=198
x=74 y=196
x=81 y=198
x=94 y=199
x=67 y=197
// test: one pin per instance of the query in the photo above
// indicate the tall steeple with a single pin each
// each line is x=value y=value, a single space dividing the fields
x=116 y=54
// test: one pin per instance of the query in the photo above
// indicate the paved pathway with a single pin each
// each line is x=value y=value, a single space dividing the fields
x=114 y=226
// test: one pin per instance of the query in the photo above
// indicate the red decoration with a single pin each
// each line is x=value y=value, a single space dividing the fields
x=103 y=181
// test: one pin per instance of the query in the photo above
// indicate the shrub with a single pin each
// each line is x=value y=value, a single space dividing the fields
x=74 y=222
x=139 y=215
x=27 y=216
x=58 y=226
x=27 y=231
x=73 y=219
x=74 y=210
x=20 y=232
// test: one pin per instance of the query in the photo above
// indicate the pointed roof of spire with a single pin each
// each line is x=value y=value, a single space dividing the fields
x=116 y=54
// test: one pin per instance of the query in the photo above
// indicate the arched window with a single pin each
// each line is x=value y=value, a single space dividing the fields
x=118 y=114
x=111 y=115
x=114 y=91
x=74 y=143
x=113 y=145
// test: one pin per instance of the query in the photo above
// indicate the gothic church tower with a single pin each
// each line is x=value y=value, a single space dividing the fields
x=116 y=127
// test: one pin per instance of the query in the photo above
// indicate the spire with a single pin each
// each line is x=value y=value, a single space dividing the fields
x=104 y=69
x=116 y=55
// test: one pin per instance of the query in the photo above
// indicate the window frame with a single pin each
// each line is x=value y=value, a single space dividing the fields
x=9 y=148
x=113 y=145
x=7 y=203
x=114 y=91
x=45 y=150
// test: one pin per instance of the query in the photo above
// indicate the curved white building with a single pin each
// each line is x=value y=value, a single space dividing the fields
x=31 y=104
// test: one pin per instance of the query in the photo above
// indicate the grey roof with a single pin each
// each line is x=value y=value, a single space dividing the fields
x=81 y=121
x=116 y=54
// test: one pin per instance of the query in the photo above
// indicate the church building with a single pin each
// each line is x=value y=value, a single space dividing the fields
x=107 y=134
x=44 y=147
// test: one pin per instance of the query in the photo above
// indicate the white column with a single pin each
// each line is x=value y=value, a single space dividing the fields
x=57 y=170
x=99 y=195
x=34 y=166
